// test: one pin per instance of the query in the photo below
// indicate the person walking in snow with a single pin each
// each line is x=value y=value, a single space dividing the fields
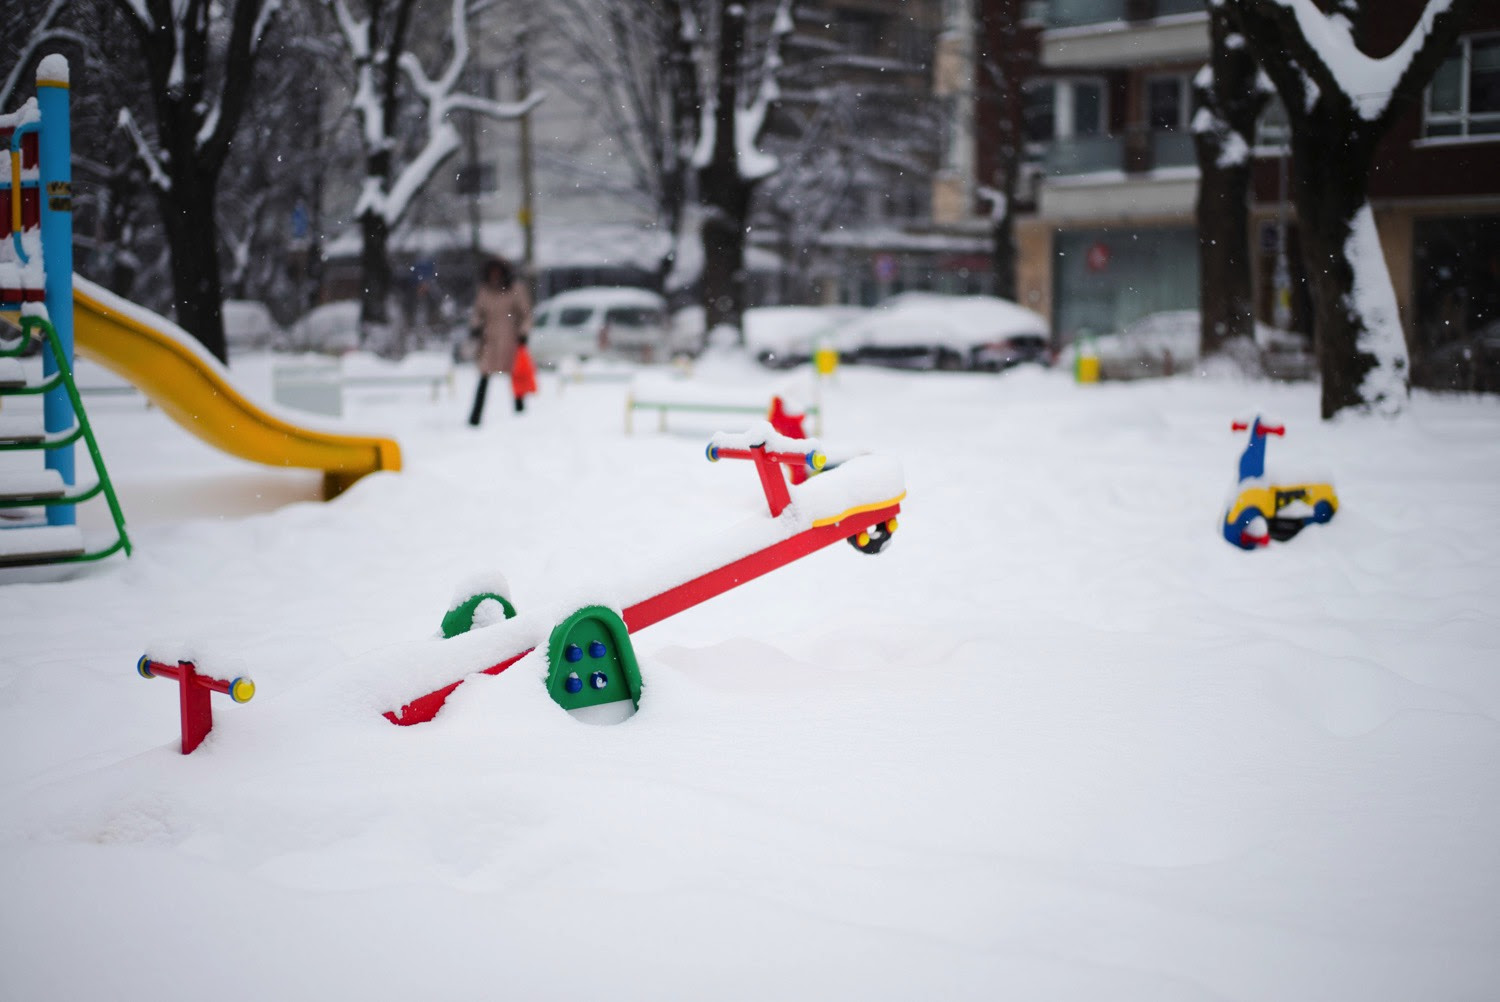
x=501 y=322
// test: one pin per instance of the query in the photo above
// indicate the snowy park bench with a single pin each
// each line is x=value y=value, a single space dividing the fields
x=669 y=396
x=318 y=386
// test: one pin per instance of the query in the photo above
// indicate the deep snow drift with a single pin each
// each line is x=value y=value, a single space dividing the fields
x=1060 y=740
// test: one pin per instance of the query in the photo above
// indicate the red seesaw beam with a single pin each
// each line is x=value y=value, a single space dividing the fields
x=193 y=690
x=700 y=589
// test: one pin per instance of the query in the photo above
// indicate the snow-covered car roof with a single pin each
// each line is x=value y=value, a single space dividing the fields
x=1177 y=331
x=247 y=321
x=927 y=318
x=793 y=328
x=606 y=296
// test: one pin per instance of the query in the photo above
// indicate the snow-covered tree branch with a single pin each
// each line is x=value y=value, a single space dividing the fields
x=729 y=159
x=381 y=60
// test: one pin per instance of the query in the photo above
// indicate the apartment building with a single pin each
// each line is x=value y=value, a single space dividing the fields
x=874 y=138
x=1108 y=234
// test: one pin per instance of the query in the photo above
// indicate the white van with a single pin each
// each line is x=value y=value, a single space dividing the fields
x=600 y=321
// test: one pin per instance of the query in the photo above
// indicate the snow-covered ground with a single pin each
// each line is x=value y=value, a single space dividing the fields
x=1059 y=741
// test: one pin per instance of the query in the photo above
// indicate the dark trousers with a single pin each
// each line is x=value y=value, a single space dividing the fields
x=479 y=392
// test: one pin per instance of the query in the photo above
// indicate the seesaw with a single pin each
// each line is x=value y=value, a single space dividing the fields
x=590 y=658
x=1261 y=510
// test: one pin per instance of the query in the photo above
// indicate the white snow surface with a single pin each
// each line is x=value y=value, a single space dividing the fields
x=1059 y=741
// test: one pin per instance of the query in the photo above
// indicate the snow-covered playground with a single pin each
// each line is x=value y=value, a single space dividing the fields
x=1058 y=741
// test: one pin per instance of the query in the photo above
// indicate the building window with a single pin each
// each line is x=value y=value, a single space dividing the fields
x=1062 y=109
x=858 y=32
x=1273 y=131
x=1038 y=111
x=1464 y=96
x=1086 y=98
x=913 y=45
x=1168 y=100
x=474 y=179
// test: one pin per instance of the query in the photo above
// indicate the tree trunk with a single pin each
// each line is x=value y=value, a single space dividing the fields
x=1230 y=102
x=1225 y=291
x=375 y=270
x=724 y=192
x=1003 y=253
x=197 y=295
x=1360 y=345
x=724 y=269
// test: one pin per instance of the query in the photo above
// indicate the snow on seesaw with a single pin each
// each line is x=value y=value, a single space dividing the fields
x=1058 y=741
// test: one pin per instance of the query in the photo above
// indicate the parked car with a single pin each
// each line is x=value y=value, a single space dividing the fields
x=1161 y=344
x=1017 y=349
x=1470 y=364
x=332 y=327
x=597 y=321
x=925 y=330
x=781 y=337
x=248 y=326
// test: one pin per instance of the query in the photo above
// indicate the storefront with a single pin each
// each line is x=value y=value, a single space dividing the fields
x=1105 y=278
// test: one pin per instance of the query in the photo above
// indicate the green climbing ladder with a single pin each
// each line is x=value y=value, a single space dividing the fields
x=30 y=544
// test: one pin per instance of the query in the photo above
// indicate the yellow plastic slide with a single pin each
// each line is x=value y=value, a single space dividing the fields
x=184 y=380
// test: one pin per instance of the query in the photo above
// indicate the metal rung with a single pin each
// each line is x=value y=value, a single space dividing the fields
x=40 y=544
x=12 y=374
x=27 y=485
x=21 y=431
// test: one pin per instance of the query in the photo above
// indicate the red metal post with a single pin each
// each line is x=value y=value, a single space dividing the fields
x=192 y=695
x=197 y=714
x=772 y=482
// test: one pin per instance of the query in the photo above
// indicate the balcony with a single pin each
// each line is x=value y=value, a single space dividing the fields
x=1083 y=155
x=1171 y=149
x=1073 y=13
x=1089 y=34
x=1136 y=153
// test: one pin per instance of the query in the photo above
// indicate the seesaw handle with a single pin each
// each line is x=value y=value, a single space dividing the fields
x=812 y=460
x=240 y=689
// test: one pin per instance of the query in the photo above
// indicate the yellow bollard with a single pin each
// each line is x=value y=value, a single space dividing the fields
x=825 y=360
x=1086 y=368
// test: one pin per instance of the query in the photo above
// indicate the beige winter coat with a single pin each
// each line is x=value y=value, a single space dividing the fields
x=505 y=315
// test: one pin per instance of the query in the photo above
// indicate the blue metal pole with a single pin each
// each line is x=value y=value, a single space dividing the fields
x=57 y=257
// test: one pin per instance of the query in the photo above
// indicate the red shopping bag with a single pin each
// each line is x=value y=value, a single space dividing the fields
x=522 y=374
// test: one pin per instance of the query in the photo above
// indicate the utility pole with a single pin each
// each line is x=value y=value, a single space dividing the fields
x=526 y=216
x=472 y=172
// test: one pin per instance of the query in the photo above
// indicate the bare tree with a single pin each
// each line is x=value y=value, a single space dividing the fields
x=1231 y=94
x=377 y=45
x=643 y=86
x=729 y=161
x=199 y=60
x=1006 y=58
x=1340 y=102
x=25 y=35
